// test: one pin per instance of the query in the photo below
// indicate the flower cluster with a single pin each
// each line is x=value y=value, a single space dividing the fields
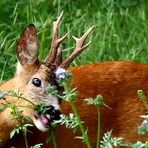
x=145 y=122
x=3 y=95
x=60 y=73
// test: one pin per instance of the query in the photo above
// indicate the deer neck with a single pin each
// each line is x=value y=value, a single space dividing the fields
x=7 y=124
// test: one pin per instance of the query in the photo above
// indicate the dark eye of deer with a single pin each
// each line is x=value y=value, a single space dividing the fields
x=36 y=82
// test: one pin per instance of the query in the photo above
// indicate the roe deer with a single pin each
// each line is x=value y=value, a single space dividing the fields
x=117 y=82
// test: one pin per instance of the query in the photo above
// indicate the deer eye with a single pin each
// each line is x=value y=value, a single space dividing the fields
x=36 y=82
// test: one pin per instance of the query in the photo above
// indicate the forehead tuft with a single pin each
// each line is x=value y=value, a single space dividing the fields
x=44 y=71
x=31 y=68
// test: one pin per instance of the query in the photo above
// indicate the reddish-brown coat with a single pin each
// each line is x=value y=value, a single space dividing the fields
x=118 y=83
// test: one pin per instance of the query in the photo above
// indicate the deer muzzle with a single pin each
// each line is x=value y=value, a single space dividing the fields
x=43 y=120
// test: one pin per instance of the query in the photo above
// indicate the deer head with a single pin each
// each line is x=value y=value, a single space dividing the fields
x=34 y=77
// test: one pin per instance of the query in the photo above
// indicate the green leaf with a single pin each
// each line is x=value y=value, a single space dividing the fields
x=27 y=118
x=139 y=144
x=37 y=146
x=28 y=125
x=52 y=90
x=109 y=141
x=98 y=101
x=13 y=132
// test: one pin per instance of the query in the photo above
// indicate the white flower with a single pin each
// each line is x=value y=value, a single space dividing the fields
x=145 y=122
x=71 y=115
x=3 y=95
x=60 y=73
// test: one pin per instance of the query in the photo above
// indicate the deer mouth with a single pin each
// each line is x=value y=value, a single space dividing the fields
x=43 y=121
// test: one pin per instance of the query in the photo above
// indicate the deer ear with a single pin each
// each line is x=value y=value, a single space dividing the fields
x=27 y=46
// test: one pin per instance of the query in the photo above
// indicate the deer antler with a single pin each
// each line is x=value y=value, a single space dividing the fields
x=55 y=42
x=78 y=49
x=55 y=55
x=58 y=59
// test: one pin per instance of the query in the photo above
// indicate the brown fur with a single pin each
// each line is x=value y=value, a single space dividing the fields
x=118 y=83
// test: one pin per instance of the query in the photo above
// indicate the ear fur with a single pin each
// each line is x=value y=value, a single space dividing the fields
x=27 y=46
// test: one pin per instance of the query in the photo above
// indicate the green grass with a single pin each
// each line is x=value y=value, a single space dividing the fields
x=121 y=29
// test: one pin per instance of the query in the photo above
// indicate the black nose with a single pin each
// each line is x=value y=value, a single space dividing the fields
x=54 y=113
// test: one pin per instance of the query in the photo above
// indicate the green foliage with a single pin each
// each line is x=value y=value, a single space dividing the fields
x=70 y=95
x=141 y=95
x=19 y=130
x=69 y=121
x=42 y=109
x=82 y=138
x=108 y=141
x=121 y=31
x=18 y=95
x=53 y=91
x=139 y=144
x=98 y=101
x=21 y=126
x=142 y=98
x=143 y=128
x=145 y=117
x=37 y=146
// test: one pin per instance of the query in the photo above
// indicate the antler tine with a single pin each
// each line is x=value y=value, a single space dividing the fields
x=58 y=60
x=78 y=49
x=55 y=41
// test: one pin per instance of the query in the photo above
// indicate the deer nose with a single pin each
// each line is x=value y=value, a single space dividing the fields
x=54 y=113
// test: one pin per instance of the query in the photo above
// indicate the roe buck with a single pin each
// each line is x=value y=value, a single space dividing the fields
x=117 y=82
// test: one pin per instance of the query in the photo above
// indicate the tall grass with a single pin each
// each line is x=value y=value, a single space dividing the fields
x=121 y=29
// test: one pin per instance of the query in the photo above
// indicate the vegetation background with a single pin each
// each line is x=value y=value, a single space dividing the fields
x=121 y=29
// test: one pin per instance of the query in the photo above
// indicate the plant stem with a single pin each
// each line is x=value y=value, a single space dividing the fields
x=53 y=138
x=86 y=139
x=67 y=88
x=25 y=137
x=24 y=106
x=20 y=97
x=98 y=133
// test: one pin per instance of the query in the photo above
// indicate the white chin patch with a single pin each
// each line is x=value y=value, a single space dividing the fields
x=40 y=125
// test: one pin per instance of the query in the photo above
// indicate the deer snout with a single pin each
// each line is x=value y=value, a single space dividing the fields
x=43 y=118
x=54 y=114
